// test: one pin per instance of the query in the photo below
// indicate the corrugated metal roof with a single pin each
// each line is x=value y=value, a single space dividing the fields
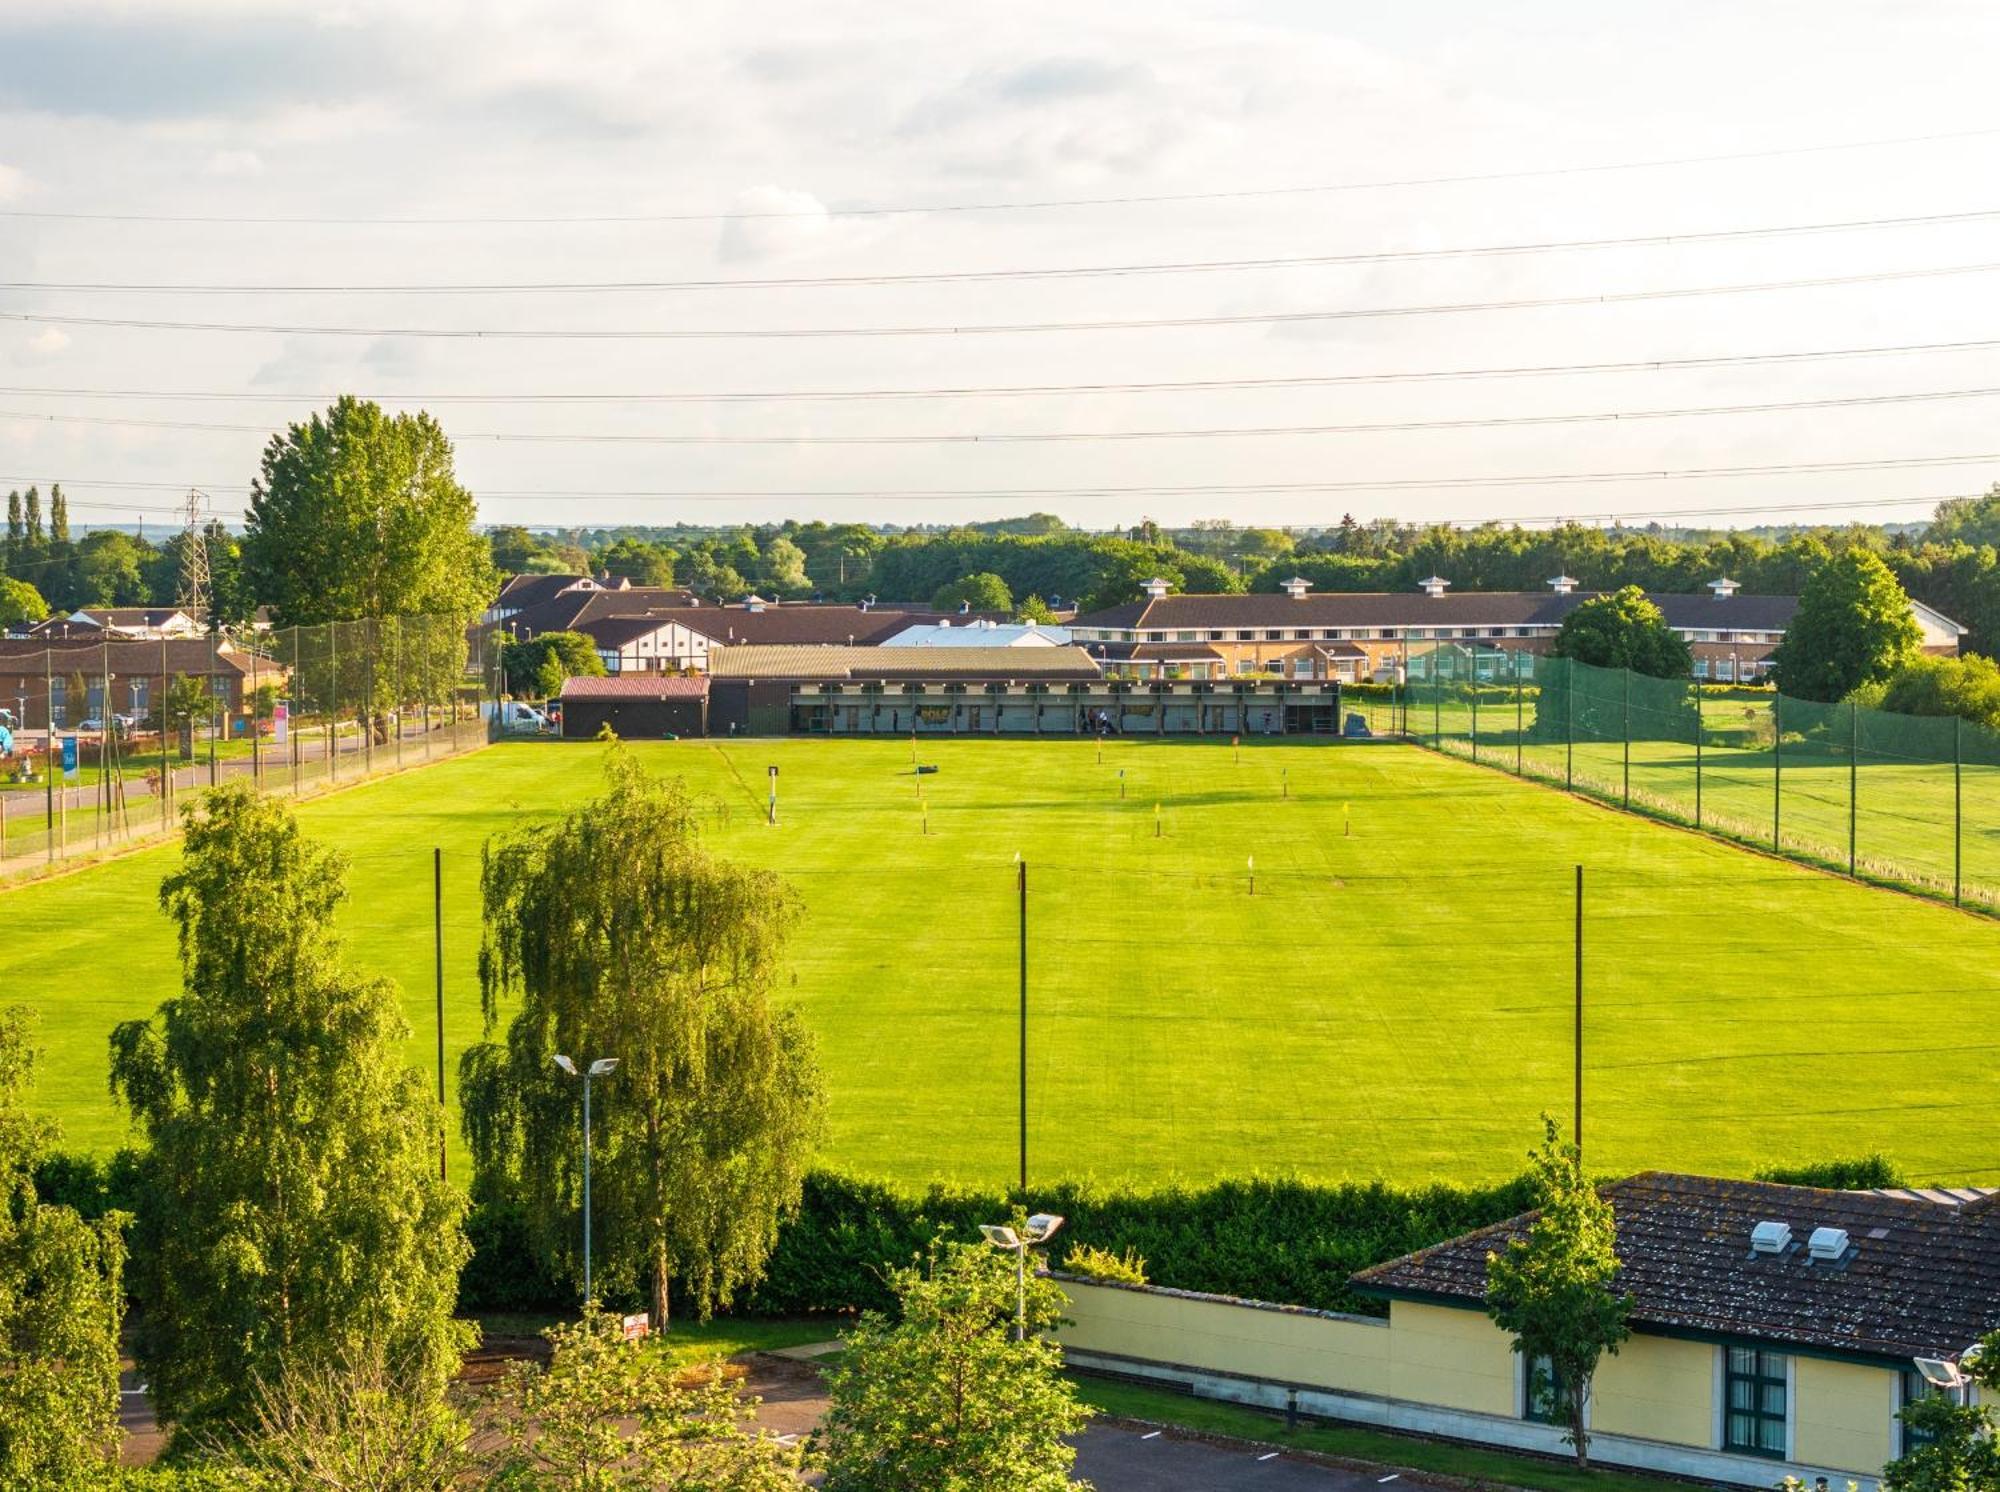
x=900 y=663
x=635 y=686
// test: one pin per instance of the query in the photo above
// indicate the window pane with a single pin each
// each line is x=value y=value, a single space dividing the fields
x=1741 y=1392
x=1774 y=1399
x=1740 y=1430
x=1771 y=1435
x=1742 y=1360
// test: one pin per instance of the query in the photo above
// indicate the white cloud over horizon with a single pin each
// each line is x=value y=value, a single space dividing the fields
x=255 y=109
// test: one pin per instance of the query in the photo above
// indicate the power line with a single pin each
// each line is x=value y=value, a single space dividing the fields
x=946 y=277
x=1015 y=205
x=1266 y=318
x=1487 y=422
x=1200 y=489
x=1199 y=385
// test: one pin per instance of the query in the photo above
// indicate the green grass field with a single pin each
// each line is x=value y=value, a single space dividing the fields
x=1393 y=1000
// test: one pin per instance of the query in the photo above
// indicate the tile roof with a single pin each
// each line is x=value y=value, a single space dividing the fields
x=1921 y=1278
x=131 y=657
x=900 y=663
x=1415 y=609
x=635 y=686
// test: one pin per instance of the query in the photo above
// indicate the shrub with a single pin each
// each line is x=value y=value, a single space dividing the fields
x=1101 y=1264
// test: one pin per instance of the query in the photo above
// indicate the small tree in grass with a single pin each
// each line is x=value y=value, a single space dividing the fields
x=605 y=1414
x=944 y=1398
x=1854 y=625
x=1554 y=1290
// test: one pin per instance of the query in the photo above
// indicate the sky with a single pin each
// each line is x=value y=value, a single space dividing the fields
x=337 y=148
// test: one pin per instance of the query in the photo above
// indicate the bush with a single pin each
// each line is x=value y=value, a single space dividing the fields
x=1101 y=1264
x=1845 y=1174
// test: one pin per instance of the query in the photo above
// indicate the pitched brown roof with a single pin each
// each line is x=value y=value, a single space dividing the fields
x=129 y=657
x=635 y=686
x=1921 y=1277
x=1415 y=609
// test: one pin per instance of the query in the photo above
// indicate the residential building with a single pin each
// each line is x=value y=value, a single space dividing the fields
x=1776 y=1330
x=64 y=681
x=678 y=639
x=1386 y=635
x=90 y=623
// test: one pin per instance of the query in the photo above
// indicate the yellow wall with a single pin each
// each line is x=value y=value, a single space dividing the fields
x=1657 y=1387
x=1455 y=1358
x=1843 y=1415
x=1288 y=1346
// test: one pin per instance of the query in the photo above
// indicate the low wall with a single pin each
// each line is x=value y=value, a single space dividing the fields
x=1449 y=1372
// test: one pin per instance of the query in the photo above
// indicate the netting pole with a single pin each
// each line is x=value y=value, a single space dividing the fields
x=1519 y=654
x=333 y=702
x=218 y=708
x=1475 y=702
x=166 y=788
x=1021 y=880
x=1777 y=764
x=1626 y=675
x=1697 y=753
x=1437 y=704
x=1853 y=775
x=1569 y=727
x=1576 y=1122
x=291 y=709
x=49 y=745
x=1957 y=812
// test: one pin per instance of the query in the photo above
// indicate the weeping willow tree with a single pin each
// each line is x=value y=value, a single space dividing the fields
x=624 y=938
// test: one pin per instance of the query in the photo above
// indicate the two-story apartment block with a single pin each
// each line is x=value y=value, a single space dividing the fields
x=1384 y=636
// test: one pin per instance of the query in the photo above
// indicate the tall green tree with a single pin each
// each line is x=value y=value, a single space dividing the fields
x=982 y=592
x=1555 y=1291
x=537 y=666
x=20 y=602
x=624 y=938
x=943 y=1397
x=1854 y=625
x=358 y=514
x=293 y=1216
x=784 y=566
x=1624 y=630
x=61 y=1300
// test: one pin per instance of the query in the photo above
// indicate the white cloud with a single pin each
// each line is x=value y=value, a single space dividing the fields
x=45 y=345
x=781 y=223
x=235 y=163
x=13 y=183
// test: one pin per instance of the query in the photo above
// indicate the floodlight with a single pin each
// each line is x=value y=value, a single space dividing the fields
x=1939 y=1373
x=565 y=1064
x=602 y=1065
x=1971 y=1354
x=1000 y=1238
x=1042 y=1227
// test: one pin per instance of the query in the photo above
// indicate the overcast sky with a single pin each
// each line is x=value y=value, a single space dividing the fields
x=789 y=117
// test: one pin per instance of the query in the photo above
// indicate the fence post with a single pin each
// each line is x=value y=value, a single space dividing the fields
x=1957 y=813
x=333 y=702
x=1853 y=775
x=216 y=707
x=1626 y=675
x=1697 y=753
x=401 y=692
x=49 y=745
x=292 y=725
x=1777 y=765
x=1475 y=702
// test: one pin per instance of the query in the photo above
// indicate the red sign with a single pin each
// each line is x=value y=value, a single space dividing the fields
x=637 y=1327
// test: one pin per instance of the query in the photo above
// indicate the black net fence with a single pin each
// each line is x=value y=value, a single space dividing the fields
x=1911 y=801
x=102 y=739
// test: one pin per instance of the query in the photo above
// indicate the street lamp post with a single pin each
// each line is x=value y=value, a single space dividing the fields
x=1038 y=1229
x=600 y=1068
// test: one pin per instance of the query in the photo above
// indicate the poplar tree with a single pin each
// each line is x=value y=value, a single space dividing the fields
x=294 y=1219
x=624 y=938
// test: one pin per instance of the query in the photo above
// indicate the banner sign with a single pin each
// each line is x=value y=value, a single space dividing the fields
x=281 y=720
x=69 y=756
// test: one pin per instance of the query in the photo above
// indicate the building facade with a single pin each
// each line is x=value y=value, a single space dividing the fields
x=1384 y=636
x=1777 y=1330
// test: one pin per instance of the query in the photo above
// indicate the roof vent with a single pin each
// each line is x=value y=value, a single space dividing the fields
x=754 y=602
x=1563 y=585
x=1297 y=587
x=1433 y=585
x=1827 y=1244
x=1770 y=1238
x=1723 y=587
x=1156 y=588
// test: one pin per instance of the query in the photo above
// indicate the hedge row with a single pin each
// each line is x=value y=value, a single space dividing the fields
x=1290 y=1241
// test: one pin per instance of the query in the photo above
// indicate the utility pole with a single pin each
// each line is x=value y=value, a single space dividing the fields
x=437 y=940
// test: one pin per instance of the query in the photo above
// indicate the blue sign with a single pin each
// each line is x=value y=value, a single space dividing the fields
x=69 y=756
